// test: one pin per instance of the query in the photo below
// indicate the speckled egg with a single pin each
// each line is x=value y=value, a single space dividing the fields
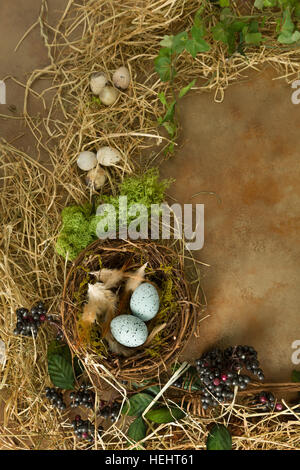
x=144 y=302
x=129 y=330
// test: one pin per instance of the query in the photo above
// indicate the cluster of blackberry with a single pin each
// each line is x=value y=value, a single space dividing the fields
x=110 y=411
x=220 y=371
x=28 y=322
x=84 y=429
x=83 y=397
x=56 y=398
x=265 y=401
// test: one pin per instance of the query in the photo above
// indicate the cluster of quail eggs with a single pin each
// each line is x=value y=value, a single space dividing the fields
x=92 y=162
x=99 y=84
x=131 y=330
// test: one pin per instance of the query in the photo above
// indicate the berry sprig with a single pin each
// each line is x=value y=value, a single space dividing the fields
x=110 y=410
x=266 y=401
x=84 y=429
x=220 y=372
x=83 y=397
x=28 y=322
x=56 y=398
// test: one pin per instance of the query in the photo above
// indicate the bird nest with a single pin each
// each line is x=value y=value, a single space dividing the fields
x=169 y=331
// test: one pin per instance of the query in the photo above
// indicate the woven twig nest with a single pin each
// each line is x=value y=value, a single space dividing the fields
x=177 y=310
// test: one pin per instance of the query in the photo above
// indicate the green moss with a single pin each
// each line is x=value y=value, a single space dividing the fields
x=77 y=232
x=79 y=222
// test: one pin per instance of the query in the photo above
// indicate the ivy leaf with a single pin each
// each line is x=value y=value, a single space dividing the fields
x=287 y=23
x=193 y=47
x=55 y=347
x=219 y=438
x=170 y=128
x=197 y=33
x=252 y=38
x=137 y=404
x=219 y=33
x=137 y=430
x=61 y=372
x=259 y=4
x=164 y=415
x=163 y=66
x=296 y=376
x=288 y=38
x=169 y=116
x=198 y=22
x=167 y=42
x=179 y=42
x=187 y=88
x=224 y=3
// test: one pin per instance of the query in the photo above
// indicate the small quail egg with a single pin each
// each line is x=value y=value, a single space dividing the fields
x=97 y=82
x=86 y=161
x=96 y=178
x=108 y=95
x=121 y=78
x=108 y=156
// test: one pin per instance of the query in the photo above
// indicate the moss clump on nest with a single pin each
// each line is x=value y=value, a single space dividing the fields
x=79 y=223
x=78 y=230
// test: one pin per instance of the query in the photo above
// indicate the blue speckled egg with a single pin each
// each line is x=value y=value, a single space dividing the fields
x=144 y=302
x=129 y=330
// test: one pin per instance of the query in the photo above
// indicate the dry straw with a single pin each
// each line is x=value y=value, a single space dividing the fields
x=91 y=36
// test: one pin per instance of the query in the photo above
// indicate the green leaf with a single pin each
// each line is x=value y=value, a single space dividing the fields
x=187 y=88
x=287 y=23
x=219 y=438
x=154 y=389
x=253 y=38
x=169 y=116
x=193 y=47
x=224 y=3
x=61 y=372
x=170 y=128
x=197 y=33
x=162 y=98
x=137 y=430
x=198 y=22
x=219 y=33
x=164 y=415
x=259 y=4
x=296 y=376
x=288 y=38
x=137 y=404
x=167 y=42
x=62 y=349
x=179 y=42
x=163 y=66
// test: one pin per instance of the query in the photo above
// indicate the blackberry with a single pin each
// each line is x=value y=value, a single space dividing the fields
x=55 y=397
x=83 y=397
x=220 y=372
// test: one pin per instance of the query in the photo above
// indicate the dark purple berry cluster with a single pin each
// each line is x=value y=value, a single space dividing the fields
x=220 y=372
x=56 y=398
x=111 y=410
x=83 y=397
x=28 y=322
x=266 y=401
x=84 y=429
